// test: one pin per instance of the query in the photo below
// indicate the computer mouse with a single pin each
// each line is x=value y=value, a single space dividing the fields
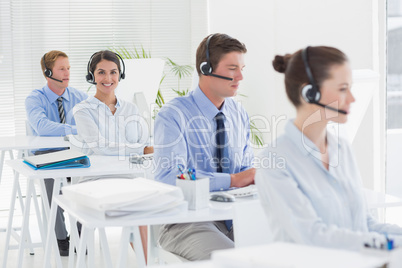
x=222 y=197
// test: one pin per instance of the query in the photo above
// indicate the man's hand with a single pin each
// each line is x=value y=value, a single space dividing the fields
x=149 y=150
x=243 y=178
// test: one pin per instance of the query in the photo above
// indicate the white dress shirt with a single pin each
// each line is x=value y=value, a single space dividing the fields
x=308 y=204
x=104 y=133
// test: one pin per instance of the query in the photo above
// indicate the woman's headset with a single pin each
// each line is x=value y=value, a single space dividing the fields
x=90 y=76
x=311 y=92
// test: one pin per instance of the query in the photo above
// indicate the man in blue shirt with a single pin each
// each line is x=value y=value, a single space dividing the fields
x=188 y=131
x=50 y=113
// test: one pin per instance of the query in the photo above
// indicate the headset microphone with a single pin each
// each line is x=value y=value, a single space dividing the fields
x=206 y=68
x=48 y=73
x=221 y=77
x=311 y=92
x=61 y=81
x=331 y=108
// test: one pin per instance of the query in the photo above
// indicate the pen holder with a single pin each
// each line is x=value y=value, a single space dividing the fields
x=196 y=192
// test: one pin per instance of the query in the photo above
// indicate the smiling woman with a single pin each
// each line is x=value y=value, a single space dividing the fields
x=106 y=124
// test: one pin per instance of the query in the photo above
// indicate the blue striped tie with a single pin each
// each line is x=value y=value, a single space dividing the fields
x=61 y=110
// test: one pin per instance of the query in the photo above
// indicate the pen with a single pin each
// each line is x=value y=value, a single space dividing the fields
x=181 y=168
x=194 y=176
x=191 y=173
x=390 y=242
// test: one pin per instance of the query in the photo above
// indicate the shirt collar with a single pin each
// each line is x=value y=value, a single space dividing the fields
x=207 y=108
x=307 y=147
x=95 y=101
x=52 y=97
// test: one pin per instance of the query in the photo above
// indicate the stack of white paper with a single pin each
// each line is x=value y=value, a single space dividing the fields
x=137 y=197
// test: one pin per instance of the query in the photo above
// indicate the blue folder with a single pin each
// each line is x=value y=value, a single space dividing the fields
x=58 y=160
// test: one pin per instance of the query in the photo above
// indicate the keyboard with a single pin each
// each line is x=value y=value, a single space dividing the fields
x=139 y=159
x=243 y=191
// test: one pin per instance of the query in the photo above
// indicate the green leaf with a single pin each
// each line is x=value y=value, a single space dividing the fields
x=256 y=134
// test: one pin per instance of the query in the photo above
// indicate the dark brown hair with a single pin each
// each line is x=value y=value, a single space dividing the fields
x=104 y=55
x=219 y=45
x=320 y=59
x=50 y=58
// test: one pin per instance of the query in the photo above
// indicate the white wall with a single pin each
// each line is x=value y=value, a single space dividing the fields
x=283 y=26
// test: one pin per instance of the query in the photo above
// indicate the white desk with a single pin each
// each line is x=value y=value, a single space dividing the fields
x=100 y=165
x=23 y=143
x=286 y=255
x=215 y=212
x=298 y=256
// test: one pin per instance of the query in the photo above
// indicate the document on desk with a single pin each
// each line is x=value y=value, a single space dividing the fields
x=137 y=197
x=58 y=160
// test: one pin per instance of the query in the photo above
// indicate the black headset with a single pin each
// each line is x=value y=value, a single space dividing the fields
x=311 y=92
x=48 y=72
x=90 y=76
x=206 y=68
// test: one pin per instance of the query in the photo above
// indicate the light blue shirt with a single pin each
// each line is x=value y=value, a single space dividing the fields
x=104 y=133
x=308 y=204
x=185 y=134
x=43 y=114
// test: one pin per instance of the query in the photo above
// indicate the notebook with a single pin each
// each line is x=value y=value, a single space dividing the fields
x=58 y=160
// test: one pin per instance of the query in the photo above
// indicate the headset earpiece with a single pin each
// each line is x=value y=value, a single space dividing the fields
x=47 y=71
x=310 y=95
x=205 y=68
x=90 y=78
x=123 y=71
x=311 y=92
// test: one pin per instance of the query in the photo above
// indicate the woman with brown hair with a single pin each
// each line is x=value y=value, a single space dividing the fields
x=316 y=197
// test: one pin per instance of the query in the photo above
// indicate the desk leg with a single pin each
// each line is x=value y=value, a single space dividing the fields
x=105 y=247
x=45 y=203
x=25 y=222
x=38 y=218
x=51 y=239
x=20 y=199
x=1 y=162
x=91 y=247
x=74 y=240
x=81 y=247
x=10 y=219
x=139 y=251
x=124 y=241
